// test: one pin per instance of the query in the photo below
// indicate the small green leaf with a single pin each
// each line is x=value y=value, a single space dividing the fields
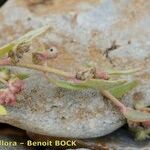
x=138 y=104
x=6 y=48
x=120 y=90
x=22 y=76
x=6 y=70
x=137 y=116
x=92 y=83
x=68 y=85
x=122 y=72
x=142 y=134
x=100 y=84
x=32 y=34
x=4 y=73
x=3 y=110
x=28 y=37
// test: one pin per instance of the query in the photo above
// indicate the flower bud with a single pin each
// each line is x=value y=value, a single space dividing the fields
x=86 y=73
x=41 y=58
x=38 y=58
x=102 y=75
x=7 y=97
x=16 y=85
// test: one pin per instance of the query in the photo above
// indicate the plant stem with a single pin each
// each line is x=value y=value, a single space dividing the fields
x=46 y=69
x=114 y=100
x=145 y=109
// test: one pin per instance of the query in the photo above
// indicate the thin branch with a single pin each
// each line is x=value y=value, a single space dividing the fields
x=145 y=109
x=114 y=100
x=45 y=69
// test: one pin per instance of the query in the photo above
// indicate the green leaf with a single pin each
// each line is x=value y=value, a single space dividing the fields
x=68 y=85
x=138 y=104
x=32 y=34
x=28 y=37
x=4 y=73
x=100 y=84
x=3 y=110
x=22 y=76
x=122 y=72
x=137 y=116
x=142 y=134
x=6 y=48
x=92 y=83
x=5 y=70
x=120 y=90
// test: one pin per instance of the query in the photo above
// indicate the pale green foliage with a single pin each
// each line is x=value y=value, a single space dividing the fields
x=137 y=116
x=122 y=72
x=3 y=110
x=4 y=73
x=92 y=83
x=22 y=76
x=138 y=104
x=68 y=85
x=121 y=90
x=142 y=134
x=27 y=38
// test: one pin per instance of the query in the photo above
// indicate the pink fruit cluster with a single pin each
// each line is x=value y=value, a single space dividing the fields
x=8 y=95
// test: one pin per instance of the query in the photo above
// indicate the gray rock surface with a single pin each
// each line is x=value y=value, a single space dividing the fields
x=45 y=109
x=82 y=31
